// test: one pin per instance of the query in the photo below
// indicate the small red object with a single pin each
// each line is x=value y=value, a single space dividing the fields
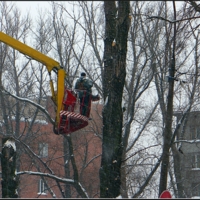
x=165 y=195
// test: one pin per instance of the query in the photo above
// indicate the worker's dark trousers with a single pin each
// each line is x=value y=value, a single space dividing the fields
x=84 y=105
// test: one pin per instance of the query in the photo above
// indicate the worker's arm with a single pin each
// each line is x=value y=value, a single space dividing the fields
x=76 y=84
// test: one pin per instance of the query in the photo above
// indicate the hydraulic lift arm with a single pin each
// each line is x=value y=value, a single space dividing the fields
x=50 y=64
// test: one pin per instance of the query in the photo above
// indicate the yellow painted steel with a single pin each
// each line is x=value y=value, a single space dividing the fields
x=25 y=49
x=53 y=91
x=60 y=91
x=51 y=64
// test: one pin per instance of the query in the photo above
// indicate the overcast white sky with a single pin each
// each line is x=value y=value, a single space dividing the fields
x=32 y=6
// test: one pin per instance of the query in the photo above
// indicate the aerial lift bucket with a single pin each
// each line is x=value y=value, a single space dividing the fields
x=70 y=119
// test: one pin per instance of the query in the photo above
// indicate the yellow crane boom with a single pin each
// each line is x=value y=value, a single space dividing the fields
x=50 y=64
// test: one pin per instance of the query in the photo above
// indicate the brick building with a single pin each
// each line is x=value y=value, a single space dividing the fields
x=45 y=152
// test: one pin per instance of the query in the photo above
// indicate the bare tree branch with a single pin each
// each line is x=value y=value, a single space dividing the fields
x=32 y=103
x=173 y=21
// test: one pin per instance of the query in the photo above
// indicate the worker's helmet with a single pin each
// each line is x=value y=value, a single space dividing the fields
x=83 y=74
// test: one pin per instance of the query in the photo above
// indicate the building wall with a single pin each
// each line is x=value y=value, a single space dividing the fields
x=87 y=154
x=189 y=135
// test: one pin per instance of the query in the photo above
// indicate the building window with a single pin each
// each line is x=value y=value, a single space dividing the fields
x=195 y=189
x=42 y=187
x=198 y=132
x=196 y=161
x=194 y=132
x=43 y=150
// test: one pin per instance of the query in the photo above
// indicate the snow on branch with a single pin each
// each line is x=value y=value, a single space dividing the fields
x=29 y=150
x=56 y=178
x=63 y=180
x=32 y=103
x=188 y=141
x=10 y=143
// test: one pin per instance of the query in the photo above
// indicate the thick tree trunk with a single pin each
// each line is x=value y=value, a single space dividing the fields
x=8 y=164
x=117 y=27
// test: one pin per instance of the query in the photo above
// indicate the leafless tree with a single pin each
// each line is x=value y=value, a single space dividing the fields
x=75 y=38
x=11 y=72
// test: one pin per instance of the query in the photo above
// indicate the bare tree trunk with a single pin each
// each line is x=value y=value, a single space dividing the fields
x=75 y=170
x=167 y=133
x=8 y=164
x=168 y=120
x=116 y=33
x=67 y=168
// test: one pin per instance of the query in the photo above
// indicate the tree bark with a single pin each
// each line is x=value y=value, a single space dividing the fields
x=168 y=120
x=8 y=163
x=115 y=50
x=67 y=167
